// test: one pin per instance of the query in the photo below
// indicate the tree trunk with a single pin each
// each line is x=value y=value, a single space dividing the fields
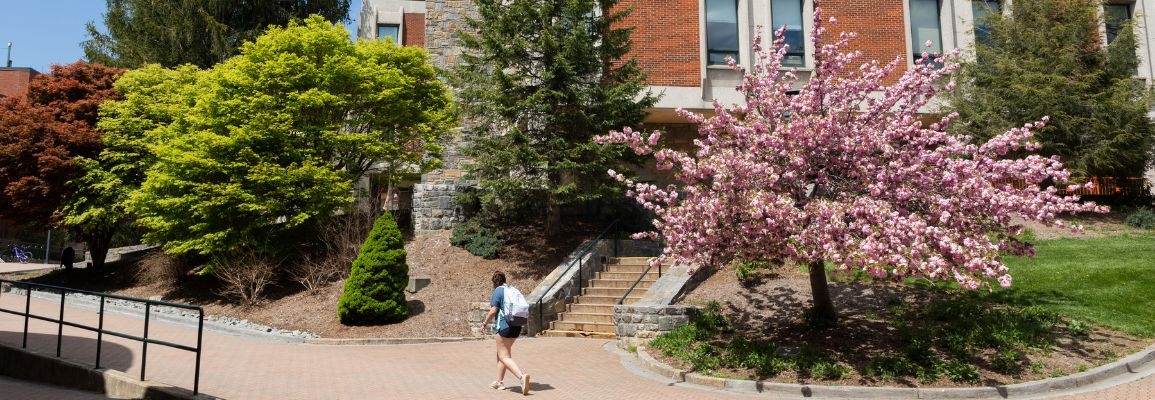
x=823 y=311
x=553 y=220
x=98 y=243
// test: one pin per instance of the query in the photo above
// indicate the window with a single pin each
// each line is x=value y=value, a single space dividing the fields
x=789 y=13
x=389 y=31
x=981 y=10
x=925 y=25
x=1115 y=16
x=721 y=31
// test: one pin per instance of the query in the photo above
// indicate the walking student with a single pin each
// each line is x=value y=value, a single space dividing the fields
x=506 y=335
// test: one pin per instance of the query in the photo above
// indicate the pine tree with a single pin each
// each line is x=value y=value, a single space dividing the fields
x=198 y=32
x=1047 y=57
x=374 y=291
x=538 y=80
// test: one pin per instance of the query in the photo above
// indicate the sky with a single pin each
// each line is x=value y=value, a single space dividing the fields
x=43 y=34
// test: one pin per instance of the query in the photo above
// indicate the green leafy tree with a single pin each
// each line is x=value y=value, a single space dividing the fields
x=1047 y=57
x=538 y=80
x=274 y=138
x=153 y=98
x=198 y=32
x=374 y=291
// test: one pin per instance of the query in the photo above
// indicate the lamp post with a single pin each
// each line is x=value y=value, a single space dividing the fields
x=9 y=55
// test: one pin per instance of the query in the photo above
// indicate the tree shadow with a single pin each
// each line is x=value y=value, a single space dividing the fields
x=73 y=348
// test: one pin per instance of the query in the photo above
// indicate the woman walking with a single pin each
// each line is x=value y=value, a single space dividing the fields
x=506 y=335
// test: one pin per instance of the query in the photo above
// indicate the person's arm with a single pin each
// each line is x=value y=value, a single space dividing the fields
x=489 y=316
x=494 y=302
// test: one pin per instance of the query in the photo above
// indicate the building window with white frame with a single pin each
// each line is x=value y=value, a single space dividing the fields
x=788 y=13
x=925 y=25
x=1115 y=16
x=982 y=10
x=721 y=31
x=391 y=31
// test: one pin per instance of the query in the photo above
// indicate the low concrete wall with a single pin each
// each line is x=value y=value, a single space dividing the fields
x=32 y=366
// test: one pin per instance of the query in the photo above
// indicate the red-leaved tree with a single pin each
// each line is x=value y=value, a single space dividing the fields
x=42 y=134
x=847 y=173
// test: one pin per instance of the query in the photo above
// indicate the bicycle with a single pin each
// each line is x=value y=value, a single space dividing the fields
x=21 y=254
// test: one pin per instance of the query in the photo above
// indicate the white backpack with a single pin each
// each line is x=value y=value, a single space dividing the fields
x=514 y=307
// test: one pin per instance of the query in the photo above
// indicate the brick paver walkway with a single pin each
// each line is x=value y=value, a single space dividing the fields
x=236 y=367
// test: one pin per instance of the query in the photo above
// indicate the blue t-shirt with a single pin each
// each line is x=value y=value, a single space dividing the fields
x=495 y=301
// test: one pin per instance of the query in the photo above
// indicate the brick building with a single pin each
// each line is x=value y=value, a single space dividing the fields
x=683 y=44
x=14 y=81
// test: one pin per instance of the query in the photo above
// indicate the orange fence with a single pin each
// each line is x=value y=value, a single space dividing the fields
x=1103 y=186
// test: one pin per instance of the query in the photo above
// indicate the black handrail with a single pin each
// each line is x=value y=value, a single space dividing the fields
x=589 y=246
x=639 y=280
x=100 y=331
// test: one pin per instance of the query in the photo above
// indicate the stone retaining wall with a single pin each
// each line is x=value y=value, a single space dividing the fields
x=637 y=324
x=433 y=207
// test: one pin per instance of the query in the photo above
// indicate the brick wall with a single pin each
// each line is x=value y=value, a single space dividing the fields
x=14 y=81
x=414 y=30
x=880 y=26
x=666 y=41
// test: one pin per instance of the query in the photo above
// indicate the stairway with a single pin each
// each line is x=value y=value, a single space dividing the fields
x=592 y=313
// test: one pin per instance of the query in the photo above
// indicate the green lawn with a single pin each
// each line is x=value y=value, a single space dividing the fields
x=1109 y=281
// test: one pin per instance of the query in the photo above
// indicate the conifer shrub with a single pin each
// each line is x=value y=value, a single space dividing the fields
x=374 y=291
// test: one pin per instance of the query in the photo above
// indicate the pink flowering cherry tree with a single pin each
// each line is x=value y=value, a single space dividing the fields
x=847 y=172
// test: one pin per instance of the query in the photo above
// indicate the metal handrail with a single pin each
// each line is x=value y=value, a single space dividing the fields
x=589 y=246
x=639 y=280
x=100 y=331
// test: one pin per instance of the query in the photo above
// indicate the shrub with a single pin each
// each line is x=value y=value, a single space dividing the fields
x=341 y=239
x=158 y=268
x=477 y=239
x=244 y=276
x=374 y=291
x=1142 y=218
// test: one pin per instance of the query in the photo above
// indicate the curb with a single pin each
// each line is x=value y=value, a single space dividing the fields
x=1051 y=386
x=388 y=341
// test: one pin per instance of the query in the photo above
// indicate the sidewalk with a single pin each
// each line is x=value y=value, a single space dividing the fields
x=236 y=367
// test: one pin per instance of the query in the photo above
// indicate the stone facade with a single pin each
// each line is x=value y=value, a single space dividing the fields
x=433 y=206
x=637 y=324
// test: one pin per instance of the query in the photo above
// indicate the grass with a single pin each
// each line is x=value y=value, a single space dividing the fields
x=1109 y=281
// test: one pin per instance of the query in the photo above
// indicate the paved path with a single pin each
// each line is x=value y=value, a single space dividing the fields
x=237 y=367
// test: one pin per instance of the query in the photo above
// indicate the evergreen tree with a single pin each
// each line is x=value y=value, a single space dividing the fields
x=538 y=80
x=1047 y=58
x=374 y=291
x=198 y=32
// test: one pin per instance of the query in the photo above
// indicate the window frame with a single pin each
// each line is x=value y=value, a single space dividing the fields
x=709 y=50
x=801 y=49
x=396 y=39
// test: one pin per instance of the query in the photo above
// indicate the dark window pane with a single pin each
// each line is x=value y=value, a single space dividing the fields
x=789 y=13
x=721 y=30
x=925 y=26
x=389 y=31
x=982 y=9
x=1115 y=16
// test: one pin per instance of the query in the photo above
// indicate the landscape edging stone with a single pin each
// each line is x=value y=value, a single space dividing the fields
x=1119 y=367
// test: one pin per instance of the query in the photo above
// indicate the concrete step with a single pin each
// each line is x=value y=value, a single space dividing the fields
x=627 y=276
x=606 y=300
x=591 y=308
x=592 y=335
x=603 y=291
x=586 y=318
x=630 y=260
x=635 y=269
x=583 y=326
x=621 y=283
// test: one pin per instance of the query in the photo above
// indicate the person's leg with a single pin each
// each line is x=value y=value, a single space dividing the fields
x=500 y=365
x=505 y=355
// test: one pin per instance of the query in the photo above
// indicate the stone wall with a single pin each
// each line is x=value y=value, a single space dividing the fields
x=433 y=207
x=636 y=324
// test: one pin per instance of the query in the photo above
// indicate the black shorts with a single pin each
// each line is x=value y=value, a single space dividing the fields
x=510 y=332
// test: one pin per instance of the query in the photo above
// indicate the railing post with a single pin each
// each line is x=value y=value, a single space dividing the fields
x=144 y=343
x=200 y=334
x=99 y=331
x=27 y=312
x=60 y=324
